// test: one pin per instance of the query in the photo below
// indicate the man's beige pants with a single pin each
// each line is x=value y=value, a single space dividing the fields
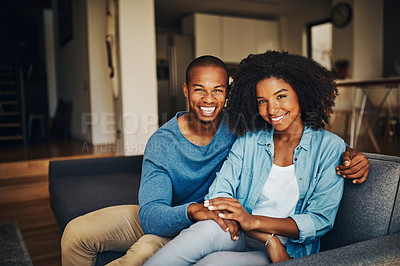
x=114 y=228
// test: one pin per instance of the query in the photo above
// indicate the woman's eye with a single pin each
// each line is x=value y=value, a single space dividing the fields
x=261 y=101
x=281 y=96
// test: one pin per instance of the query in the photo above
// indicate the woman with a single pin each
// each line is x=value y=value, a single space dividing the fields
x=279 y=181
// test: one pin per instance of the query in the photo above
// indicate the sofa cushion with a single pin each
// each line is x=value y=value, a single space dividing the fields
x=395 y=222
x=81 y=186
x=366 y=210
x=95 y=166
x=383 y=250
x=77 y=195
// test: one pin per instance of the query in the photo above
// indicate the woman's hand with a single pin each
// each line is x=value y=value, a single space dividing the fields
x=233 y=211
x=248 y=222
x=197 y=212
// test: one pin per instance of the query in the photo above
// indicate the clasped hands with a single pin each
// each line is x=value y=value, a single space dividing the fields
x=228 y=213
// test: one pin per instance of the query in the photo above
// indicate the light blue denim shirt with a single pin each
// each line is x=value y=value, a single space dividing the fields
x=247 y=168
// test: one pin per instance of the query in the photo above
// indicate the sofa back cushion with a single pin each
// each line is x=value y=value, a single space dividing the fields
x=95 y=166
x=80 y=186
x=367 y=210
x=395 y=222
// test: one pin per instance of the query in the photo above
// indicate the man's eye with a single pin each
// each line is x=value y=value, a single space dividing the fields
x=198 y=89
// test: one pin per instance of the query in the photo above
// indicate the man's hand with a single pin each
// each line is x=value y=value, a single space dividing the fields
x=197 y=212
x=355 y=166
x=234 y=227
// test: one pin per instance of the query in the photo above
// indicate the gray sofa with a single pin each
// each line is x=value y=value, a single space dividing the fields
x=366 y=231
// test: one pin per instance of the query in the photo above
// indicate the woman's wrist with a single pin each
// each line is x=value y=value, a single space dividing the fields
x=277 y=252
x=274 y=241
x=268 y=240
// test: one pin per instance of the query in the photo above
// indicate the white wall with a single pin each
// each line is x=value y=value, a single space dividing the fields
x=101 y=100
x=343 y=41
x=294 y=28
x=72 y=70
x=48 y=22
x=138 y=73
x=368 y=39
x=361 y=42
x=82 y=74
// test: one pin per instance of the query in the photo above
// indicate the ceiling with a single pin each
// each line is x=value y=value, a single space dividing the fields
x=170 y=12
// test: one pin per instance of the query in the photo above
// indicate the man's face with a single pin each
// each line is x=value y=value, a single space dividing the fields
x=206 y=92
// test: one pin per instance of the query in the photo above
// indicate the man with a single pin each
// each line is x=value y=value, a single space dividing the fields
x=179 y=165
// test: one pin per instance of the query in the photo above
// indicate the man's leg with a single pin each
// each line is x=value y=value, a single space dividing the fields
x=194 y=243
x=141 y=251
x=114 y=228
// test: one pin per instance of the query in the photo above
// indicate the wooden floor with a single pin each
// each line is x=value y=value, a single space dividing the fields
x=39 y=229
x=24 y=196
x=51 y=148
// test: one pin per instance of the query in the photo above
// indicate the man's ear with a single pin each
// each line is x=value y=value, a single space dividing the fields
x=185 y=89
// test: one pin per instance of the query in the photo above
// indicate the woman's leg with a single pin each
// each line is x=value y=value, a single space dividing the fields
x=194 y=243
x=231 y=258
x=114 y=228
x=254 y=254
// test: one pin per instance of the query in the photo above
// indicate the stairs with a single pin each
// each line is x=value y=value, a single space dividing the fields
x=11 y=114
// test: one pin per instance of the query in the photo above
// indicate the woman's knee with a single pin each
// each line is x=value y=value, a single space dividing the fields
x=229 y=258
x=209 y=226
x=211 y=235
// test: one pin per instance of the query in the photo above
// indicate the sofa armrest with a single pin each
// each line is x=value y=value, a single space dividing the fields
x=384 y=250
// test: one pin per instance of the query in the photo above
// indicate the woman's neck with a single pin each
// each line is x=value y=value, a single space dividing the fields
x=291 y=134
x=285 y=142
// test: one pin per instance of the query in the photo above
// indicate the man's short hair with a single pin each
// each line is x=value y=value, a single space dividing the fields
x=205 y=61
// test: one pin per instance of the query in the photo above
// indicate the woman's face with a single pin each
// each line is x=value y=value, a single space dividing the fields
x=278 y=104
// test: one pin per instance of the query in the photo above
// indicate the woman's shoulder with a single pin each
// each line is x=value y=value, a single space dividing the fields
x=327 y=140
x=258 y=136
x=252 y=141
x=327 y=135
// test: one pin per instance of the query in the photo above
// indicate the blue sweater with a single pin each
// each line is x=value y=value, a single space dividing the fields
x=176 y=173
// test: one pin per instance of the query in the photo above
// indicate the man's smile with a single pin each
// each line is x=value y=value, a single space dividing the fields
x=208 y=110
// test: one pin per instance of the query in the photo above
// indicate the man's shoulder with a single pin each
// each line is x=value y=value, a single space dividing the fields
x=168 y=128
x=167 y=133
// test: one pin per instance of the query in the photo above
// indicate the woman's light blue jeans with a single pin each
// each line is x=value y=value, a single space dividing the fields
x=205 y=243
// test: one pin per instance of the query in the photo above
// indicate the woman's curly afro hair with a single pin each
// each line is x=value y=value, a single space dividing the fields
x=313 y=84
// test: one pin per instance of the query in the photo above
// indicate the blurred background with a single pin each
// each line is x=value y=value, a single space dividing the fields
x=103 y=75
x=89 y=78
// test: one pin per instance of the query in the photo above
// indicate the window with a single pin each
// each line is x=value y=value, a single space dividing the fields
x=320 y=43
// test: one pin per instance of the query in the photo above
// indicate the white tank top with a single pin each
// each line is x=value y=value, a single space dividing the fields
x=279 y=196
